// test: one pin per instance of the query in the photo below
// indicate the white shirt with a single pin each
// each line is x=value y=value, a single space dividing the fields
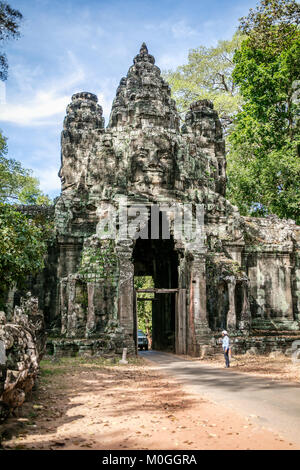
x=225 y=342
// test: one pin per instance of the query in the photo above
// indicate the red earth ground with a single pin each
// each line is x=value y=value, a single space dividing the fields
x=83 y=403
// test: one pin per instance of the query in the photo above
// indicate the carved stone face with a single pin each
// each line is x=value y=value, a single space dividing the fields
x=152 y=162
x=67 y=173
x=70 y=172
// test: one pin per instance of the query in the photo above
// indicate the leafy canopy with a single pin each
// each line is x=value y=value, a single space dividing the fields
x=9 y=29
x=144 y=308
x=273 y=22
x=263 y=162
x=22 y=248
x=22 y=240
x=208 y=75
x=17 y=185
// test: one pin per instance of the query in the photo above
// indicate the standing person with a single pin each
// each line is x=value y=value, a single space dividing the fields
x=225 y=346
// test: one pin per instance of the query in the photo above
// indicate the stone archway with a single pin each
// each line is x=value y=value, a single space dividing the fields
x=158 y=258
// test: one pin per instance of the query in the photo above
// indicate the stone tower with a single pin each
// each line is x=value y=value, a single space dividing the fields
x=242 y=273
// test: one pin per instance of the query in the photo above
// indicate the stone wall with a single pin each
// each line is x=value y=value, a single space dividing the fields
x=263 y=343
x=22 y=344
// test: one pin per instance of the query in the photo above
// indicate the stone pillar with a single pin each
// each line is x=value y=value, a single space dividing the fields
x=284 y=297
x=63 y=301
x=91 y=319
x=261 y=291
x=245 y=321
x=231 y=315
x=124 y=250
x=198 y=329
x=71 y=319
x=10 y=301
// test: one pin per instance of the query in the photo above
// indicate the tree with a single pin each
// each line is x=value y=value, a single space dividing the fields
x=22 y=240
x=208 y=75
x=17 y=185
x=9 y=28
x=263 y=162
x=144 y=308
x=22 y=248
x=273 y=22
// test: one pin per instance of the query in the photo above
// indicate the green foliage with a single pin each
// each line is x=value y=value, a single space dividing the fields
x=17 y=183
x=22 y=240
x=208 y=75
x=22 y=248
x=144 y=308
x=9 y=28
x=273 y=22
x=99 y=262
x=263 y=162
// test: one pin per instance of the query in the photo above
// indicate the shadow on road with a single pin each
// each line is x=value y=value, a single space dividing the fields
x=197 y=373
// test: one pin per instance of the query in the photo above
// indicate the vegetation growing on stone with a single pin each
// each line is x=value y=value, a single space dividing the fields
x=99 y=261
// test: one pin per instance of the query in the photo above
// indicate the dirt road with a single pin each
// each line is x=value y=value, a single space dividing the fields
x=274 y=404
x=94 y=404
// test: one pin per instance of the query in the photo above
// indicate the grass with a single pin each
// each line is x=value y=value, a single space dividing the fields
x=49 y=368
x=46 y=372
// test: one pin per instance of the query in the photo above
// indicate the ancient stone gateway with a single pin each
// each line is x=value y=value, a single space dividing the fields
x=244 y=273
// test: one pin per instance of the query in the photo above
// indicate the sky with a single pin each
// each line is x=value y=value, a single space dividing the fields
x=75 y=45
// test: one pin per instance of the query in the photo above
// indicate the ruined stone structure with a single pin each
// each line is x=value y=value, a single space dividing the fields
x=22 y=344
x=244 y=273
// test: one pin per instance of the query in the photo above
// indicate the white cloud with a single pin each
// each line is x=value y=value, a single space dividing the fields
x=106 y=93
x=179 y=29
x=182 y=29
x=49 y=180
x=36 y=107
x=37 y=112
x=105 y=101
x=168 y=61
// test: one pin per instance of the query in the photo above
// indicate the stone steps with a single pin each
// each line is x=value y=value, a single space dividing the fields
x=276 y=325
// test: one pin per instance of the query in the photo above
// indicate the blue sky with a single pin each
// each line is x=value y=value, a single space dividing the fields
x=74 y=45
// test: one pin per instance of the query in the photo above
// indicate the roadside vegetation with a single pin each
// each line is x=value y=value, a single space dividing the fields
x=253 y=81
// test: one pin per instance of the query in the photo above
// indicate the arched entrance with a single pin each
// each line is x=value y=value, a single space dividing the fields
x=158 y=259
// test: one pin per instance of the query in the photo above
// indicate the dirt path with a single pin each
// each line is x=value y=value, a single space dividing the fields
x=276 y=367
x=275 y=403
x=91 y=404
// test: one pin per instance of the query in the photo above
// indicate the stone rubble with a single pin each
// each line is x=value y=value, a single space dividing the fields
x=22 y=345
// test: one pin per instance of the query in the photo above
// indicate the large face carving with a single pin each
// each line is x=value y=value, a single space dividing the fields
x=71 y=170
x=153 y=161
x=66 y=174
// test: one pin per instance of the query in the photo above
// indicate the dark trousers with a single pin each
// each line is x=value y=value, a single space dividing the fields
x=226 y=355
